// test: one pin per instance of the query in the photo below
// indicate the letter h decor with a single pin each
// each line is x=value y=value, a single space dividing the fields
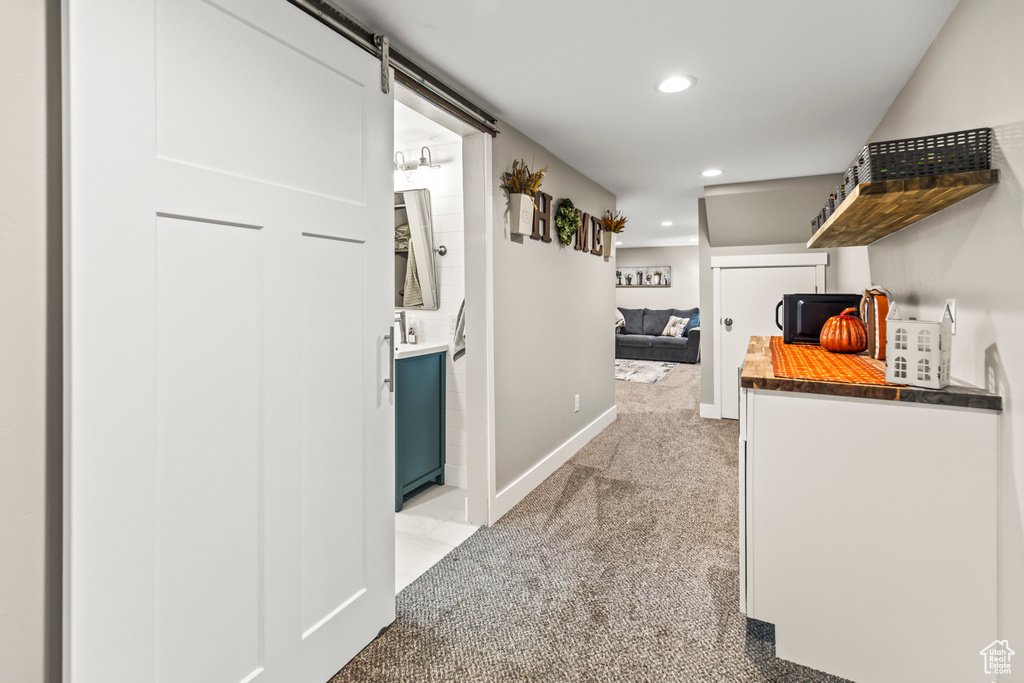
x=542 y=217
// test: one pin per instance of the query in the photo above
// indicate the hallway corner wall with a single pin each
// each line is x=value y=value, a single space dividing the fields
x=553 y=324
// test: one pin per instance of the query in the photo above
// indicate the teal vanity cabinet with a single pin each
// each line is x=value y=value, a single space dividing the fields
x=419 y=422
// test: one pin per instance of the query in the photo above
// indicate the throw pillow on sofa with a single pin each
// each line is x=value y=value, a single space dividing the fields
x=693 y=314
x=675 y=327
x=620 y=322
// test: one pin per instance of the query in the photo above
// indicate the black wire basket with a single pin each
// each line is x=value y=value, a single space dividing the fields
x=850 y=181
x=931 y=155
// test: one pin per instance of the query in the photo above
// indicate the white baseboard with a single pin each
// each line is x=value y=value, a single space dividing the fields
x=708 y=410
x=507 y=498
x=456 y=476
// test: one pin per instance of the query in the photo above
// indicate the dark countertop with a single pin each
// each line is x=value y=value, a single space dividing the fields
x=757 y=374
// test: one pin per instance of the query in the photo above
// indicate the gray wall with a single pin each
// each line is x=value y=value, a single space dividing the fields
x=30 y=344
x=974 y=251
x=684 y=287
x=783 y=209
x=553 y=321
x=847 y=271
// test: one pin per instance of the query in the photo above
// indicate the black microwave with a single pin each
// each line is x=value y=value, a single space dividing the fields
x=803 y=315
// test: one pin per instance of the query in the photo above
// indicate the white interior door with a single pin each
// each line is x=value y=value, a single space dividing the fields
x=229 y=472
x=748 y=299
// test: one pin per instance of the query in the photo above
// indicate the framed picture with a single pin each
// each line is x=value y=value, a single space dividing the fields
x=643 y=276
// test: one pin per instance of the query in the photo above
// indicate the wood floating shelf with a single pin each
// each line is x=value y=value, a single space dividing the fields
x=875 y=210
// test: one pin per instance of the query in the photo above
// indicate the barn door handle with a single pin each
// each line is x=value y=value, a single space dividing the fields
x=390 y=339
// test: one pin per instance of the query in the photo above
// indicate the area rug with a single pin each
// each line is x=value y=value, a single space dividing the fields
x=644 y=371
x=622 y=566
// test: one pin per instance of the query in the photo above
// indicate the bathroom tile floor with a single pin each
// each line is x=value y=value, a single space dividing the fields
x=430 y=526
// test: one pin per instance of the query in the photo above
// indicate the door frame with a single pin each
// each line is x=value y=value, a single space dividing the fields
x=478 y=218
x=817 y=260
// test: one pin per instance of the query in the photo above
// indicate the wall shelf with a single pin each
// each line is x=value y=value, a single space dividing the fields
x=875 y=210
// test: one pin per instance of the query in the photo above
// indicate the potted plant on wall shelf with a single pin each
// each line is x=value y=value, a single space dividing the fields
x=521 y=184
x=657 y=277
x=614 y=223
x=567 y=220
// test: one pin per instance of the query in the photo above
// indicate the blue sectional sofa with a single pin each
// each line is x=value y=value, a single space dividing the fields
x=641 y=337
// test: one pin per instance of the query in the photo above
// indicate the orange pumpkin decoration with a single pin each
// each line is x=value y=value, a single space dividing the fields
x=844 y=333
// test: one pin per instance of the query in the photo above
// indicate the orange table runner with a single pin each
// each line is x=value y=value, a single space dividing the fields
x=805 y=361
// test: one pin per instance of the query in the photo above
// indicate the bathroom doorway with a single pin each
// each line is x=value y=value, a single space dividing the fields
x=429 y=154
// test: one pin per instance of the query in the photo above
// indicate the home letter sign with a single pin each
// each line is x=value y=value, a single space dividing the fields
x=542 y=217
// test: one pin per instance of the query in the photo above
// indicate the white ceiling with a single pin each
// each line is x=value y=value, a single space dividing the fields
x=784 y=89
x=413 y=130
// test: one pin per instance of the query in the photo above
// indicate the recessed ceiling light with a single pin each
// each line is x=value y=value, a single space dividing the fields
x=677 y=83
x=666 y=224
x=711 y=172
x=618 y=244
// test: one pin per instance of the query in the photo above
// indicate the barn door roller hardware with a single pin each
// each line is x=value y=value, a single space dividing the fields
x=384 y=46
x=407 y=72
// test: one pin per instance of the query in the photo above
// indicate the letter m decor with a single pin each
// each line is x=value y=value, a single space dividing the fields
x=583 y=234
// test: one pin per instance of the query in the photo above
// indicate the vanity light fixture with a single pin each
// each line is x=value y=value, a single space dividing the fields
x=711 y=172
x=676 y=84
x=426 y=161
x=404 y=167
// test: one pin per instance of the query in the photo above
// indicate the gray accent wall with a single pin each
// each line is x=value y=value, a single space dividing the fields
x=30 y=344
x=974 y=251
x=684 y=289
x=781 y=209
x=553 y=321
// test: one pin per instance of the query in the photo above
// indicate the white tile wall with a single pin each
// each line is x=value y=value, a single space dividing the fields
x=446 y=200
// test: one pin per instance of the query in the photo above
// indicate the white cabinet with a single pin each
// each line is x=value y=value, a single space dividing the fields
x=868 y=533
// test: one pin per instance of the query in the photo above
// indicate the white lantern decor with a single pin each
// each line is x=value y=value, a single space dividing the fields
x=918 y=351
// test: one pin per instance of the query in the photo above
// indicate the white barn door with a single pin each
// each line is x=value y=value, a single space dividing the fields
x=229 y=467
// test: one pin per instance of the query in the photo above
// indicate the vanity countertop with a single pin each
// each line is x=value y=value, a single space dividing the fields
x=757 y=374
x=420 y=349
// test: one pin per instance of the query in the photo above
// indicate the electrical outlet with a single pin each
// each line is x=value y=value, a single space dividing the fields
x=577 y=403
x=452 y=320
x=952 y=312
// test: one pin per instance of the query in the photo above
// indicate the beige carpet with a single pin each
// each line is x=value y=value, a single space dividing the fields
x=622 y=566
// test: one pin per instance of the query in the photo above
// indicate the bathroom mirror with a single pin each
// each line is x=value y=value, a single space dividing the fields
x=415 y=279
